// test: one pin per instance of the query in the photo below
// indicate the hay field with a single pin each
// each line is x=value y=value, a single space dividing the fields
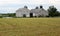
x=29 y=26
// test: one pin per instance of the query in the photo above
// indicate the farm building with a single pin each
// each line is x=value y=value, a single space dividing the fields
x=25 y=12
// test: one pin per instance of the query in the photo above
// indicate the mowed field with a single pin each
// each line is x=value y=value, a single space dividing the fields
x=29 y=26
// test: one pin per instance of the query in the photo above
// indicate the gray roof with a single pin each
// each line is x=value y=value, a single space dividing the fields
x=38 y=10
x=22 y=10
x=32 y=10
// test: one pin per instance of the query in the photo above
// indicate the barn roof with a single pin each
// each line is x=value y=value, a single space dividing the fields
x=37 y=10
x=22 y=9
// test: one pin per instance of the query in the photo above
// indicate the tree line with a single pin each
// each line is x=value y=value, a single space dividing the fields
x=53 y=12
x=8 y=15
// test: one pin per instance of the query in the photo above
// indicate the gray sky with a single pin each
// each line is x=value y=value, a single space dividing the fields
x=10 y=6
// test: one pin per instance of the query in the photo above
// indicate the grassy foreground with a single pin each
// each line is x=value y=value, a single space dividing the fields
x=29 y=26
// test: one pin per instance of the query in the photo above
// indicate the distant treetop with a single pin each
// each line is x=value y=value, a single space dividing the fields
x=37 y=7
x=41 y=6
x=25 y=7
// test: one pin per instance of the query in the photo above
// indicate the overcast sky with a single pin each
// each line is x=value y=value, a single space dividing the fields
x=10 y=6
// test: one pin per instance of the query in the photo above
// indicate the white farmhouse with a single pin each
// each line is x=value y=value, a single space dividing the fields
x=25 y=12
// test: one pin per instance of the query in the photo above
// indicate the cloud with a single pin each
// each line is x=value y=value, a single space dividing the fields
x=4 y=2
x=29 y=1
x=54 y=1
x=23 y=2
x=12 y=5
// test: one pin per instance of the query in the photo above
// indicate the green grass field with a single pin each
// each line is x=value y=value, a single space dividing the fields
x=29 y=26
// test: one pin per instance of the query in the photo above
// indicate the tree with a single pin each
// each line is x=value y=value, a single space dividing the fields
x=36 y=7
x=25 y=7
x=41 y=6
x=53 y=11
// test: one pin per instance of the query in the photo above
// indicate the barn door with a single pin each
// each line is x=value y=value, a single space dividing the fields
x=24 y=15
x=31 y=14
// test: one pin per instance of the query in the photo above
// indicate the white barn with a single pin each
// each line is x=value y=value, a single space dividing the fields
x=39 y=12
x=25 y=12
